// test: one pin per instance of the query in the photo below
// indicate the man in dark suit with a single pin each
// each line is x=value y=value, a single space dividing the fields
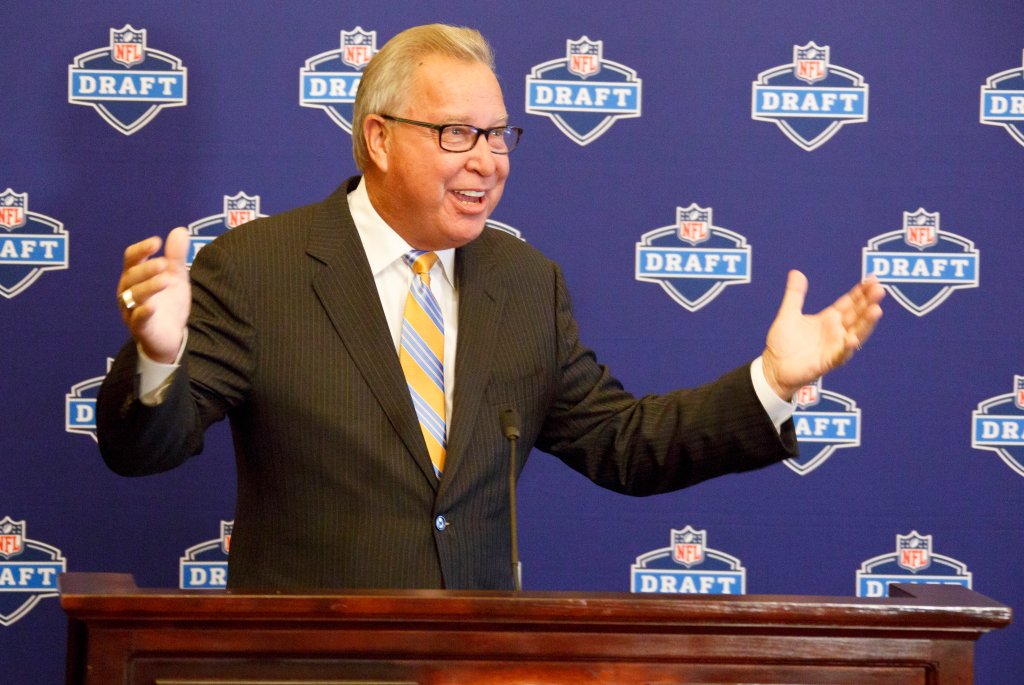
x=289 y=326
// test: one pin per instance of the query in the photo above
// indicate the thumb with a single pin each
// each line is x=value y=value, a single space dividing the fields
x=796 y=290
x=176 y=247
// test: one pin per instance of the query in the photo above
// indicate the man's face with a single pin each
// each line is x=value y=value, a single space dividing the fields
x=433 y=198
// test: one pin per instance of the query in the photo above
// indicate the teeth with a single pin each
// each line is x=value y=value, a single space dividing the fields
x=471 y=193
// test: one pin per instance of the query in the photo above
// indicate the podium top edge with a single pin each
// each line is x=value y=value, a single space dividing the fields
x=924 y=606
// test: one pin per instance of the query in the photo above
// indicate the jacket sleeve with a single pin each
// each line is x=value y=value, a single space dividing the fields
x=656 y=443
x=214 y=376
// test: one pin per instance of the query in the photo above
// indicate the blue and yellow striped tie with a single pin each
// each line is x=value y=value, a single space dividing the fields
x=422 y=356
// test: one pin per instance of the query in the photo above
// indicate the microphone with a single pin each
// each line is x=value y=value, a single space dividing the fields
x=510 y=428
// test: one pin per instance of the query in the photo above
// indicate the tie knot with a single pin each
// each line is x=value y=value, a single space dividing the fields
x=420 y=262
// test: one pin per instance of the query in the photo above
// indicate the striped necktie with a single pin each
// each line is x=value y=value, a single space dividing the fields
x=422 y=356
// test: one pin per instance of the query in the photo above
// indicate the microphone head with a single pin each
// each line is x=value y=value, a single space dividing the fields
x=509 y=423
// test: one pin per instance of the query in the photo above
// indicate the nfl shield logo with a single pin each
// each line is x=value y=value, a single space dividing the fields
x=914 y=551
x=357 y=47
x=921 y=229
x=12 y=537
x=809 y=395
x=128 y=45
x=583 y=56
x=240 y=208
x=225 y=535
x=693 y=223
x=688 y=546
x=810 y=62
x=13 y=207
x=1018 y=391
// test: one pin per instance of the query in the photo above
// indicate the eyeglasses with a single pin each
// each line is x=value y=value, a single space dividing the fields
x=463 y=137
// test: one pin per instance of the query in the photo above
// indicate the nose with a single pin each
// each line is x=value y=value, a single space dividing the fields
x=480 y=159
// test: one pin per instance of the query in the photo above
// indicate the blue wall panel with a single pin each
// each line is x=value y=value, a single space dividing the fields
x=914 y=473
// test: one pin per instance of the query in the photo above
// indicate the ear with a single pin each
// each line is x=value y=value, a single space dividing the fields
x=378 y=142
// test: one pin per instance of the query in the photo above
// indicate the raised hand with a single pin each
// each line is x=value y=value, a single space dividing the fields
x=155 y=296
x=802 y=347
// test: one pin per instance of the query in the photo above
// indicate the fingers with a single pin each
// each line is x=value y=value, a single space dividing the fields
x=146 y=280
x=136 y=265
x=863 y=297
x=865 y=325
x=860 y=310
x=141 y=251
x=852 y=319
x=145 y=275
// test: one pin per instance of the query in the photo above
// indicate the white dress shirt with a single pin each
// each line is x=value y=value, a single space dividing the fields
x=392 y=276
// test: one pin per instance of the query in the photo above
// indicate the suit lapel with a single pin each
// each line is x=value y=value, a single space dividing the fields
x=348 y=294
x=481 y=297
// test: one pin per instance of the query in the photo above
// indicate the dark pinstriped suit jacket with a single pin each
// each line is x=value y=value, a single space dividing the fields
x=335 y=489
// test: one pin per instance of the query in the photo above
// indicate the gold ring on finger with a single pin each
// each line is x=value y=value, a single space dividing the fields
x=126 y=300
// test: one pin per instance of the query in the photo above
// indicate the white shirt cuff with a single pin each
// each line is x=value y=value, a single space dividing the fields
x=779 y=410
x=155 y=377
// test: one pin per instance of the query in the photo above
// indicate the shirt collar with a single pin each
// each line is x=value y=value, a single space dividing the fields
x=383 y=246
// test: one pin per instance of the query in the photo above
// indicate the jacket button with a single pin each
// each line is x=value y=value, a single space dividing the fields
x=441 y=523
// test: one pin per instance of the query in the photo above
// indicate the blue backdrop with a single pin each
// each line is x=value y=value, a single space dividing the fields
x=678 y=158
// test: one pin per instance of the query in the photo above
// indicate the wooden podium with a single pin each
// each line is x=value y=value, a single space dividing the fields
x=121 y=634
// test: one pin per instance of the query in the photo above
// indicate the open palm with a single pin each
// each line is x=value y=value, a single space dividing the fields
x=802 y=347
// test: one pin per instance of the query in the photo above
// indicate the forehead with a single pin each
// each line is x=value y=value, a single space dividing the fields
x=455 y=89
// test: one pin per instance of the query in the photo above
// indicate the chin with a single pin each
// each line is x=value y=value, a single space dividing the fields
x=465 y=231
x=465 y=237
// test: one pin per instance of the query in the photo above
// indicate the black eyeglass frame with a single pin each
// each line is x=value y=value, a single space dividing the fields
x=477 y=131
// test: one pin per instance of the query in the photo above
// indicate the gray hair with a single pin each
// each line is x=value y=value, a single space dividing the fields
x=388 y=77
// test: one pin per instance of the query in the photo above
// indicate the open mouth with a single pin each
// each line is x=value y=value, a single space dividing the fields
x=469 y=196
